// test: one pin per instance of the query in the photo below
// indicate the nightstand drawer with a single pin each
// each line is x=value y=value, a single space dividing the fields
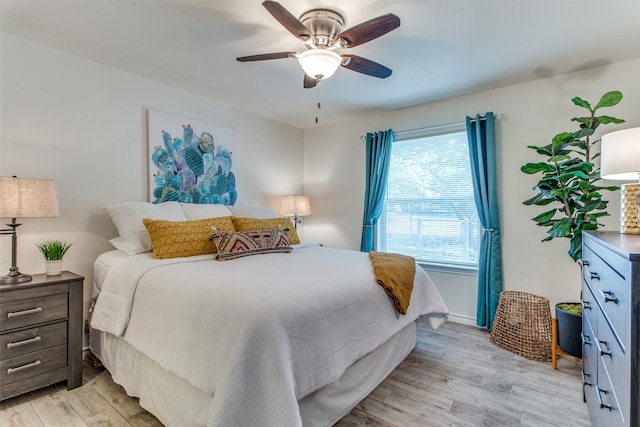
x=30 y=340
x=31 y=311
x=32 y=364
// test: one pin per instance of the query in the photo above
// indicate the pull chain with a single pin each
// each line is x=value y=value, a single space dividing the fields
x=317 y=99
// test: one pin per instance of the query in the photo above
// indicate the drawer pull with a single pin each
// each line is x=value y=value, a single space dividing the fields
x=585 y=262
x=584 y=379
x=594 y=275
x=586 y=339
x=23 y=342
x=586 y=305
x=600 y=392
x=24 y=312
x=602 y=352
x=609 y=296
x=23 y=367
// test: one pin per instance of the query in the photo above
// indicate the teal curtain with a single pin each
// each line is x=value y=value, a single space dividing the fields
x=377 y=171
x=482 y=150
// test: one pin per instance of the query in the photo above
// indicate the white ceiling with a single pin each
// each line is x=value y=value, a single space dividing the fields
x=442 y=48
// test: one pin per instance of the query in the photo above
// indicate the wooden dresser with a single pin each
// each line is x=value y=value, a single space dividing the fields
x=611 y=327
x=40 y=333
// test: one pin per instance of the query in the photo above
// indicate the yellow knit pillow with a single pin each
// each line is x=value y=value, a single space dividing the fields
x=173 y=239
x=249 y=224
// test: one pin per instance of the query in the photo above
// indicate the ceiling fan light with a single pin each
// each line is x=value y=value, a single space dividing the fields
x=319 y=63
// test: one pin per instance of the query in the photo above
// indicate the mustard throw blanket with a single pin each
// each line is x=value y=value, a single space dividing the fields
x=395 y=273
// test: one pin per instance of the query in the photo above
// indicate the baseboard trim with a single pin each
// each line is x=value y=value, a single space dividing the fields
x=462 y=319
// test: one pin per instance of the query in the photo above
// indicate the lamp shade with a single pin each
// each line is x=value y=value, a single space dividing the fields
x=319 y=63
x=295 y=206
x=28 y=198
x=620 y=155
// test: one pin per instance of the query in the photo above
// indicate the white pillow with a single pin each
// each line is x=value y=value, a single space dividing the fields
x=253 y=212
x=128 y=216
x=195 y=211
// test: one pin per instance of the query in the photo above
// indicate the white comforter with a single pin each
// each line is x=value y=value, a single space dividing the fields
x=257 y=333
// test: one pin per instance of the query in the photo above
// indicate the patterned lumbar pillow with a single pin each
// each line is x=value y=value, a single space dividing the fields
x=244 y=243
x=173 y=239
x=246 y=224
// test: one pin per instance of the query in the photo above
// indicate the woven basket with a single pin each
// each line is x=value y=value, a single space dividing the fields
x=522 y=325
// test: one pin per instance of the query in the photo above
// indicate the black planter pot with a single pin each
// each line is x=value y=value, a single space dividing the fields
x=569 y=331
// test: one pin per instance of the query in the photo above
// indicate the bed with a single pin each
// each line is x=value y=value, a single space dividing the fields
x=276 y=339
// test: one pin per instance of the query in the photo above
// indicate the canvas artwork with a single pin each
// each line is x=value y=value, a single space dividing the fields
x=190 y=161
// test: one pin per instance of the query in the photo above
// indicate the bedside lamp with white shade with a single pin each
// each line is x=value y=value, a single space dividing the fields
x=295 y=206
x=24 y=198
x=620 y=160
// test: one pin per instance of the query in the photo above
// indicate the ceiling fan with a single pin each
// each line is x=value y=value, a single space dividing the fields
x=321 y=32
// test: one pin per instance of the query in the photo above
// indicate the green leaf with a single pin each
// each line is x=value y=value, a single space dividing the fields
x=581 y=103
x=608 y=119
x=584 y=121
x=557 y=159
x=539 y=199
x=545 y=151
x=545 y=216
x=583 y=132
x=575 y=247
x=531 y=168
x=560 y=139
x=562 y=228
x=609 y=99
x=569 y=175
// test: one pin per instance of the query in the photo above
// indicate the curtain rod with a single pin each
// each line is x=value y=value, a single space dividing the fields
x=497 y=116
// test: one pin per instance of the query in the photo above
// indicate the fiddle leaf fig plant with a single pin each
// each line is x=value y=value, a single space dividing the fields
x=568 y=177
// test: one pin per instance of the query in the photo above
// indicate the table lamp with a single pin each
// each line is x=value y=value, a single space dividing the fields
x=24 y=198
x=620 y=160
x=295 y=206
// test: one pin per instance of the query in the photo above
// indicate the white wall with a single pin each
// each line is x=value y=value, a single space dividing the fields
x=83 y=124
x=533 y=113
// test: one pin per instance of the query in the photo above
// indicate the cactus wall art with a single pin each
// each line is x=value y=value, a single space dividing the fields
x=190 y=161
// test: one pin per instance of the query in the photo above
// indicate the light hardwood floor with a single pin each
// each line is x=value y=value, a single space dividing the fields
x=454 y=377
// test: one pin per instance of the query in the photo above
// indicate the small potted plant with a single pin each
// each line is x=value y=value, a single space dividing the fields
x=53 y=251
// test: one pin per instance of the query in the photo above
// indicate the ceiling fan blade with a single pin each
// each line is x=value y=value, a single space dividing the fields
x=309 y=82
x=287 y=20
x=369 y=30
x=266 y=56
x=366 y=66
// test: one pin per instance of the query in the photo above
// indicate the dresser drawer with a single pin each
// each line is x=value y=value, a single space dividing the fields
x=612 y=291
x=14 y=344
x=615 y=362
x=589 y=356
x=27 y=312
x=32 y=364
x=608 y=409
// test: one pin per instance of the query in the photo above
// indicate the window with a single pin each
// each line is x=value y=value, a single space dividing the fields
x=429 y=210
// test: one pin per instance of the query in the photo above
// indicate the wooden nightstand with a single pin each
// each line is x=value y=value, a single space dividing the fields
x=40 y=333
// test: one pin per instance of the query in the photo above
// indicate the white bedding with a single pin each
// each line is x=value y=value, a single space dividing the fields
x=257 y=333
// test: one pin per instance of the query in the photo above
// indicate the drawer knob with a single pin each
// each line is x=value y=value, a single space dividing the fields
x=586 y=305
x=23 y=342
x=24 y=312
x=586 y=339
x=609 y=296
x=23 y=367
x=584 y=379
x=600 y=392
x=585 y=263
x=594 y=275
x=606 y=352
